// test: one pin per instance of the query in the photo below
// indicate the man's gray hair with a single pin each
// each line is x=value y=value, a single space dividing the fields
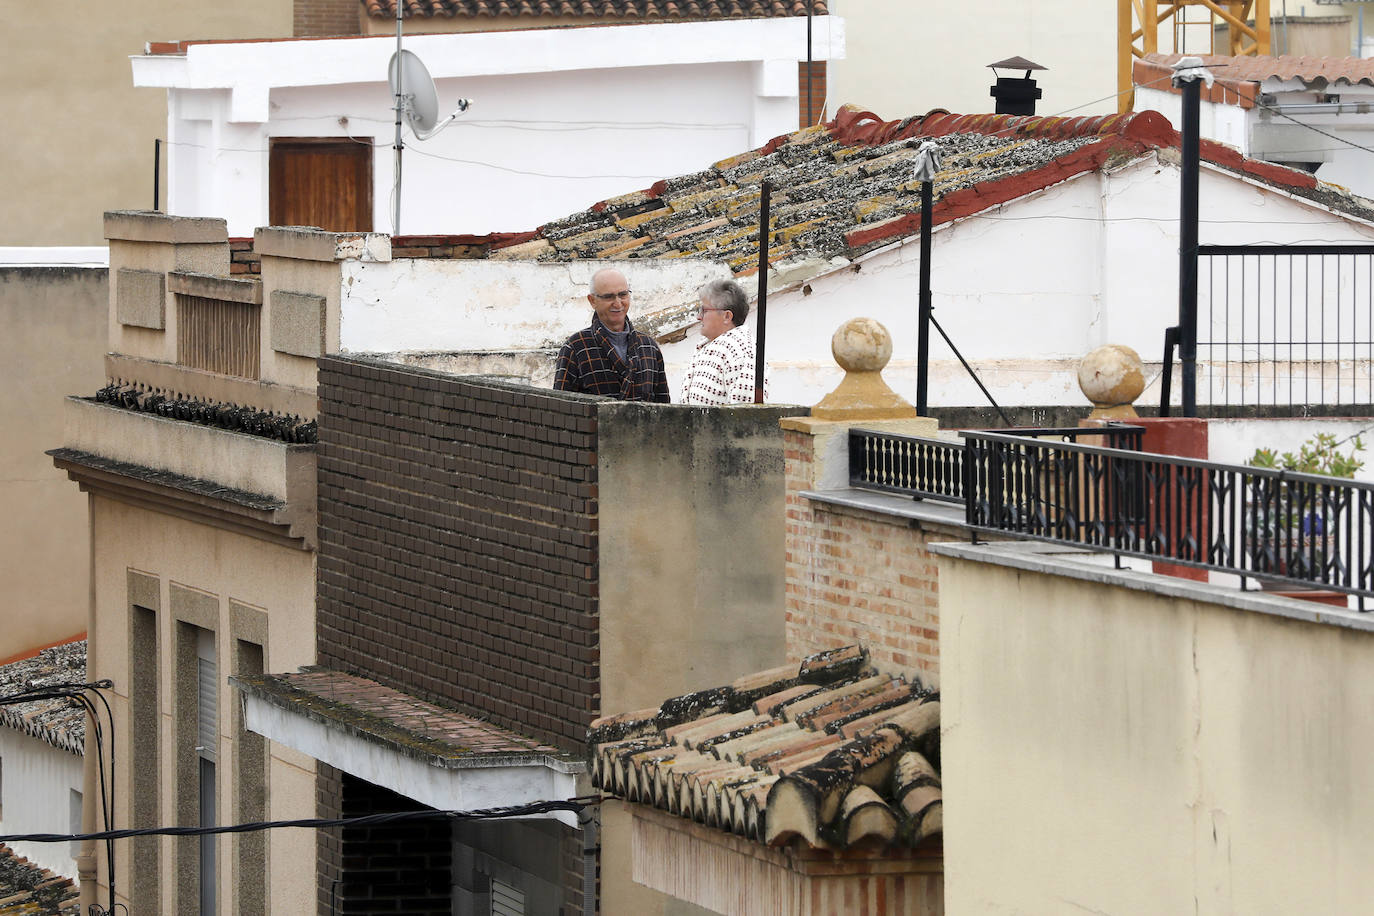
x=726 y=294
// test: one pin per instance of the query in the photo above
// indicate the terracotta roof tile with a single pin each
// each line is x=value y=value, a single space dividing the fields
x=1334 y=71
x=847 y=187
x=603 y=9
x=26 y=888
x=60 y=722
x=728 y=758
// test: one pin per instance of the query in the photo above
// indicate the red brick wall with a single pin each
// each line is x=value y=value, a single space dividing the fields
x=312 y=18
x=855 y=576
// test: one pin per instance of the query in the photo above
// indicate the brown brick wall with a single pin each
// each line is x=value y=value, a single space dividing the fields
x=326 y=17
x=458 y=543
x=328 y=840
x=405 y=867
x=856 y=576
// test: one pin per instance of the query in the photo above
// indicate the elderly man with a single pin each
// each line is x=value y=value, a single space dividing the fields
x=611 y=357
x=722 y=369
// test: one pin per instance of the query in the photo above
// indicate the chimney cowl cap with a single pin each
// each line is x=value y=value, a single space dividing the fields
x=1016 y=63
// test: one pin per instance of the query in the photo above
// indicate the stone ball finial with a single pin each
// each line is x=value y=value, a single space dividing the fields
x=861 y=345
x=1112 y=377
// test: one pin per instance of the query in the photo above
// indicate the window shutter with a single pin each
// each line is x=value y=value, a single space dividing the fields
x=506 y=900
x=207 y=707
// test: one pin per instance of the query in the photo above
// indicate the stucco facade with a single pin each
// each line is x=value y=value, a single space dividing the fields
x=55 y=187
x=560 y=116
x=202 y=566
x=1127 y=743
x=56 y=338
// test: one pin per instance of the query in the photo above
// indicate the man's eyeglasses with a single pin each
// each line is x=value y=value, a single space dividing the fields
x=701 y=312
x=611 y=297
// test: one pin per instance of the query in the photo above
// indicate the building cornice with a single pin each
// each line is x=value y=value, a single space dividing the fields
x=201 y=501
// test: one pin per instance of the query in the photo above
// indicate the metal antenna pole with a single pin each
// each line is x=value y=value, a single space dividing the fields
x=927 y=166
x=399 y=145
x=765 y=190
x=810 y=109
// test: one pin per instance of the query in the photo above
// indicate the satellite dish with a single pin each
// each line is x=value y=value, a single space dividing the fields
x=417 y=104
x=410 y=79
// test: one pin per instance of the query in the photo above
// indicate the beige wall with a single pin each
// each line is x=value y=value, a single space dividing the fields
x=54 y=320
x=691 y=574
x=904 y=58
x=273 y=588
x=1125 y=743
x=691 y=549
x=79 y=137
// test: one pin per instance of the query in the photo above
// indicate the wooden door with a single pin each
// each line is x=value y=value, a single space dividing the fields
x=320 y=182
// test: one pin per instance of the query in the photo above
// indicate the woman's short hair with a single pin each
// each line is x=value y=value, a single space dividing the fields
x=726 y=294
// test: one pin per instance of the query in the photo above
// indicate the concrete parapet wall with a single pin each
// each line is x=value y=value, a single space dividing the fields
x=1094 y=720
x=254 y=464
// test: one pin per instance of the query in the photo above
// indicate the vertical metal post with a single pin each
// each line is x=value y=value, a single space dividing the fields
x=400 y=104
x=157 y=173
x=923 y=328
x=765 y=191
x=1187 y=240
x=810 y=111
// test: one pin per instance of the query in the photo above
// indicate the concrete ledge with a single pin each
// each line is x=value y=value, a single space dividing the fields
x=1087 y=566
x=210 y=386
x=151 y=226
x=928 y=512
x=238 y=461
x=306 y=243
x=207 y=286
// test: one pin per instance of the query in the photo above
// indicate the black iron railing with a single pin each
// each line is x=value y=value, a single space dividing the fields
x=1276 y=526
x=1273 y=525
x=926 y=468
x=1285 y=325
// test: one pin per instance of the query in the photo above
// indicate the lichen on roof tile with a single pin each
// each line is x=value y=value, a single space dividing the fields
x=734 y=759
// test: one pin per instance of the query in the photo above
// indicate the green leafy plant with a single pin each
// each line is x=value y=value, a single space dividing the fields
x=1319 y=455
x=1289 y=530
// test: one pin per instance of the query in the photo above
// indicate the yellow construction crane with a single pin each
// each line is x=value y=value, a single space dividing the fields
x=1139 y=23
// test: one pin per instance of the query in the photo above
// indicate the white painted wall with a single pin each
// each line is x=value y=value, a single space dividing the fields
x=427 y=305
x=1024 y=291
x=1235 y=441
x=561 y=117
x=1223 y=123
x=904 y=58
x=38 y=780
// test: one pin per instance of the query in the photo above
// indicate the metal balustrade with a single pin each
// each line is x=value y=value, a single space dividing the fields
x=1275 y=526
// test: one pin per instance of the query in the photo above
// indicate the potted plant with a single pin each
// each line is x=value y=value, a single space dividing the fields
x=1292 y=523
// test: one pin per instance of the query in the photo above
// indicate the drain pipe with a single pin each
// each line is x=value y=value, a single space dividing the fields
x=87 y=874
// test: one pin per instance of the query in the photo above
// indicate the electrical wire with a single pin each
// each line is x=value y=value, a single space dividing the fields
x=574 y=805
x=77 y=694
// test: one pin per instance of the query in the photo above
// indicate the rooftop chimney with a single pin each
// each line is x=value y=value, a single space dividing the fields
x=1015 y=95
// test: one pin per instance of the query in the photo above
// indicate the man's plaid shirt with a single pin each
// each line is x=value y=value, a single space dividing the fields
x=588 y=363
